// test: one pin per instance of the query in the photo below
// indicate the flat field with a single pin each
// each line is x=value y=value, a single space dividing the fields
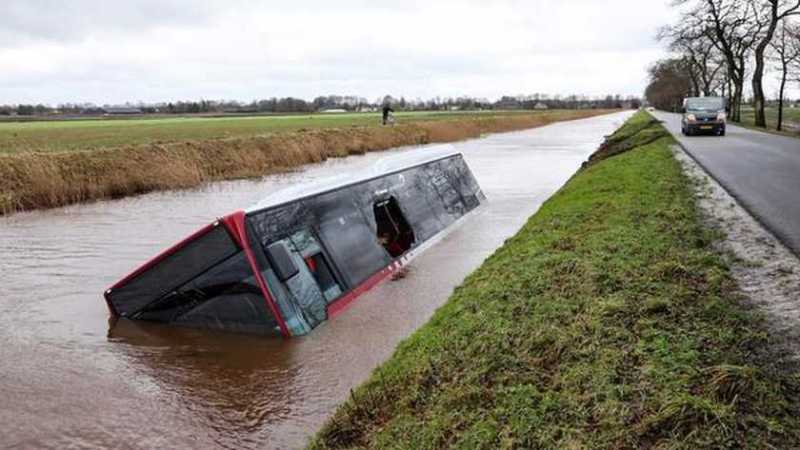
x=91 y=134
x=791 y=119
x=48 y=164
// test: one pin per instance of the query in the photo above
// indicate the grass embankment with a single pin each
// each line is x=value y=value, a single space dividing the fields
x=89 y=171
x=607 y=322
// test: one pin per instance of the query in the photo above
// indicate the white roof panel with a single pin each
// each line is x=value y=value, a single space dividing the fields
x=383 y=166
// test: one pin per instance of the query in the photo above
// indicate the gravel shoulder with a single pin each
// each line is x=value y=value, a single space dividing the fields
x=767 y=272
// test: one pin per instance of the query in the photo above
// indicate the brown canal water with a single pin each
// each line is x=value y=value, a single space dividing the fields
x=69 y=379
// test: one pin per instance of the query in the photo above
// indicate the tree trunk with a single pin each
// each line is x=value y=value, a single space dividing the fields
x=695 y=89
x=727 y=93
x=758 y=73
x=736 y=105
x=780 y=98
x=758 y=90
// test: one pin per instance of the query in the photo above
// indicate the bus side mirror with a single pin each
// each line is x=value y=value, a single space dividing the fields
x=281 y=261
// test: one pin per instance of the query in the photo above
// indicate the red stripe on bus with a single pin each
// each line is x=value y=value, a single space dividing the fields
x=343 y=302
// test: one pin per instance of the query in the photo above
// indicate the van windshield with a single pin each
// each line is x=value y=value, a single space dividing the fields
x=705 y=104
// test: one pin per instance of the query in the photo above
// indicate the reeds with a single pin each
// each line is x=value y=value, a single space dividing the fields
x=45 y=180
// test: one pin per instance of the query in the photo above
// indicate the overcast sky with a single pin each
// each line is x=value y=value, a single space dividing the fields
x=101 y=51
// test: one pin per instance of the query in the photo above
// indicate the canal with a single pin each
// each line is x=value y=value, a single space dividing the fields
x=69 y=378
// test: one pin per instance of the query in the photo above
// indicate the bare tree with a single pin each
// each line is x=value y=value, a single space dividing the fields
x=786 y=49
x=768 y=14
x=692 y=40
x=733 y=30
x=709 y=63
x=669 y=84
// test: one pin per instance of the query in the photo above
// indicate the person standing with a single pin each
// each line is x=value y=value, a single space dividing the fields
x=387 y=108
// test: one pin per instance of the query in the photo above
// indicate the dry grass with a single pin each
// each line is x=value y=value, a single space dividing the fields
x=43 y=180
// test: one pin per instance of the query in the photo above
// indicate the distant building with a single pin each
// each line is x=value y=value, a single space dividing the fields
x=508 y=103
x=540 y=106
x=120 y=110
x=92 y=111
x=333 y=111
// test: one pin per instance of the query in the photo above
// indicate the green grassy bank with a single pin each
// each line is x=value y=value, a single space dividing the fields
x=608 y=321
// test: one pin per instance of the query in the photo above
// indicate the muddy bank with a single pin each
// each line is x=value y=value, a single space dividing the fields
x=625 y=139
x=39 y=180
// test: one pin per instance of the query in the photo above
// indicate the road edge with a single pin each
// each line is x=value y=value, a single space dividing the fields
x=782 y=238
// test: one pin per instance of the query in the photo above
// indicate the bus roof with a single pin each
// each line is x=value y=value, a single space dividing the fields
x=382 y=167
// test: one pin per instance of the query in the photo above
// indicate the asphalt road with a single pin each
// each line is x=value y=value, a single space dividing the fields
x=761 y=170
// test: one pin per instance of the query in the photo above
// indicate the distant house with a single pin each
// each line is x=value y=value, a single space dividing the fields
x=540 y=106
x=120 y=110
x=333 y=111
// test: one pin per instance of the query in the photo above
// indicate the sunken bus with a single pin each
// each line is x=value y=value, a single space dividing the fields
x=302 y=255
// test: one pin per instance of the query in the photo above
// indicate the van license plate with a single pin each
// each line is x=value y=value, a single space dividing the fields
x=706 y=127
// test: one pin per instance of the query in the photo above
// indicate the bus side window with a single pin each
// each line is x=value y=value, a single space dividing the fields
x=322 y=273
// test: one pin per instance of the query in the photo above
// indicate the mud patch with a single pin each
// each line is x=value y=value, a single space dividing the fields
x=626 y=139
x=767 y=272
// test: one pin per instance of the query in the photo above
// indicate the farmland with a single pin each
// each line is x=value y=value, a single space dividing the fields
x=791 y=119
x=48 y=164
x=92 y=134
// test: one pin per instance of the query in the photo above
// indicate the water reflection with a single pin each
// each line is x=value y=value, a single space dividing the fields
x=235 y=384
